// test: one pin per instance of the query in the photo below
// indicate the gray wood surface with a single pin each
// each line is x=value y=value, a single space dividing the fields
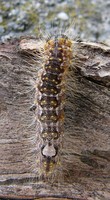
x=85 y=170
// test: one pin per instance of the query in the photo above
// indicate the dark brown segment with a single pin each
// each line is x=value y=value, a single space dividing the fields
x=57 y=53
x=49 y=128
x=54 y=67
x=48 y=163
x=52 y=79
x=50 y=135
x=49 y=116
x=50 y=132
x=49 y=89
x=48 y=102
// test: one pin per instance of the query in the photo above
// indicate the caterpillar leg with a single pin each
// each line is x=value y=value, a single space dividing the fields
x=33 y=107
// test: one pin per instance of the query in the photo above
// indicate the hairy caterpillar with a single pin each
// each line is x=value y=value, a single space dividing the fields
x=50 y=100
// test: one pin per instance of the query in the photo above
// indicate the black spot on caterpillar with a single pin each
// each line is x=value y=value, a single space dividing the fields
x=50 y=100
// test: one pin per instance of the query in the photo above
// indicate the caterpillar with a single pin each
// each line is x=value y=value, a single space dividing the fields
x=50 y=99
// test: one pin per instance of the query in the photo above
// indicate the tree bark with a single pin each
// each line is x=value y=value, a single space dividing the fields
x=86 y=143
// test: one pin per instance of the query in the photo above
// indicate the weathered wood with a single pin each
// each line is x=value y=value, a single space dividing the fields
x=86 y=148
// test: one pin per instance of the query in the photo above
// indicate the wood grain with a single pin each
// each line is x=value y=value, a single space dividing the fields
x=86 y=146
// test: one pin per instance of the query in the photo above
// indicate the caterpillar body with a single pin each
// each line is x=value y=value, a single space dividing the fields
x=50 y=99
